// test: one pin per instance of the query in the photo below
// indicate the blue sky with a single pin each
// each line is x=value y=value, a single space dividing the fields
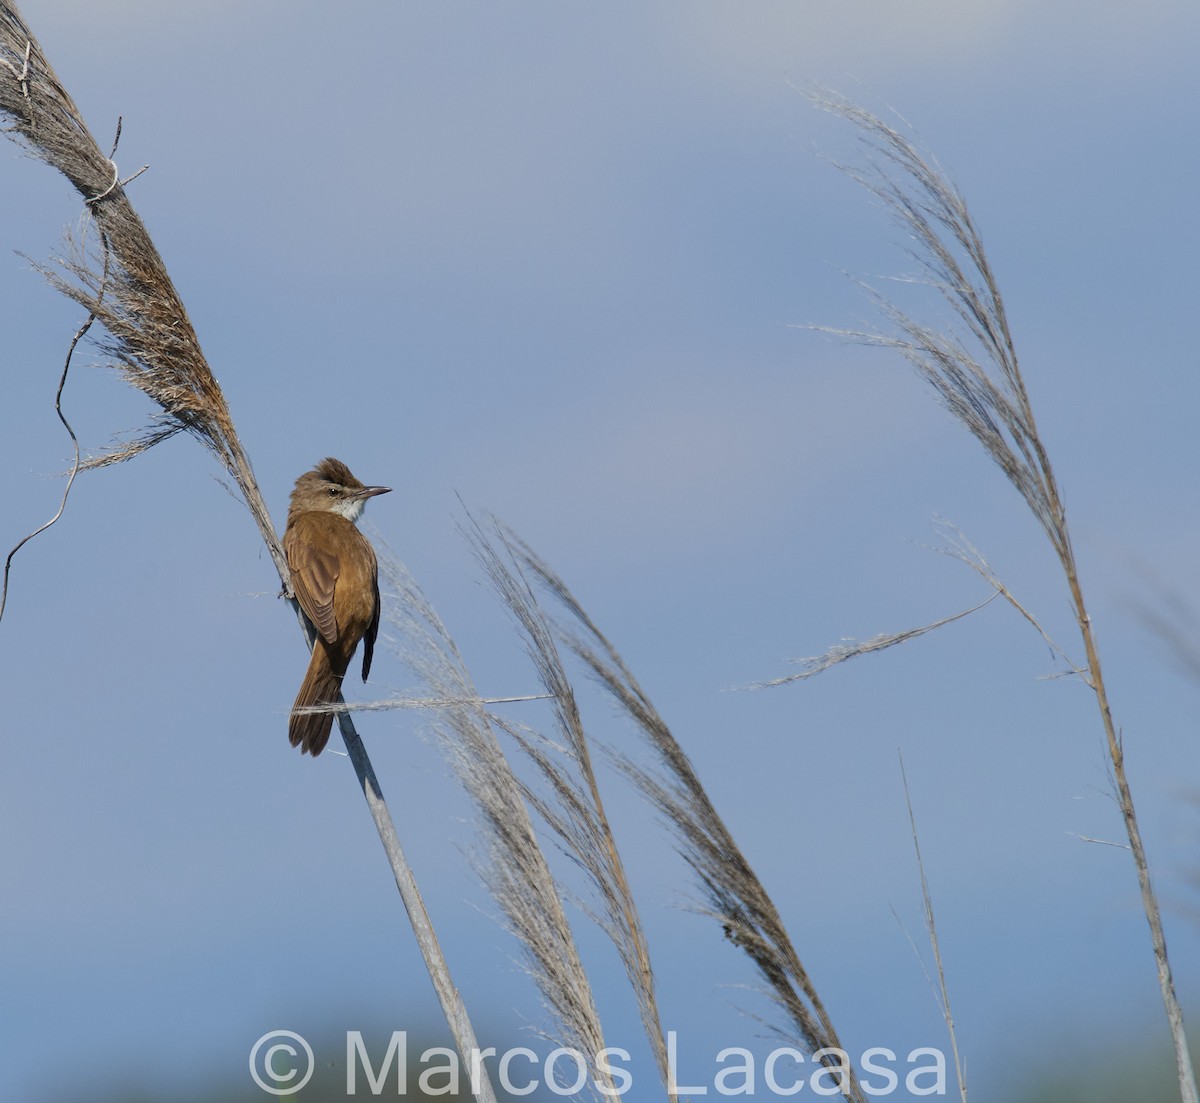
x=556 y=260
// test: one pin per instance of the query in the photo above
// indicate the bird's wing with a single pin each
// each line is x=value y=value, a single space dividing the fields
x=314 y=574
x=371 y=632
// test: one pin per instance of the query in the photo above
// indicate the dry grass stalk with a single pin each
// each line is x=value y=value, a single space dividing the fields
x=513 y=865
x=734 y=895
x=977 y=376
x=128 y=290
x=575 y=810
x=942 y=991
x=76 y=459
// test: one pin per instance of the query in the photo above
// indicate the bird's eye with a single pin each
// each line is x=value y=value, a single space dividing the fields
x=333 y=490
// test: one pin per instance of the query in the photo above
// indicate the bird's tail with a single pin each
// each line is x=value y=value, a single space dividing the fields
x=321 y=686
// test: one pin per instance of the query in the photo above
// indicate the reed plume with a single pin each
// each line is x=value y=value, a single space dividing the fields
x=574 y=810
x=127 y=288
x=976 y=375
x=734 y=896
x=512 y=863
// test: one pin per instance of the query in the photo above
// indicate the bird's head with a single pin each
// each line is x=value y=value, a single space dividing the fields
x=331 y=486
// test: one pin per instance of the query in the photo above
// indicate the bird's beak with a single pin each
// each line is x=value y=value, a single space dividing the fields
x=371 y=491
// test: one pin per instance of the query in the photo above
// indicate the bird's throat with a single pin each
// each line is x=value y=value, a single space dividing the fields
x=350 y=508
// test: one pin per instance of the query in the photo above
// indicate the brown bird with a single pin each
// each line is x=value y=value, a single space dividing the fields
x=335 y=577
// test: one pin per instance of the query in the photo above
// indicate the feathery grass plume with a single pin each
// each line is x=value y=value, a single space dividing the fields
x=574 y=811
x=513 y=866
x=127 y=288
x=735 y=896
x=852 y=649
x=983 y=388
x=977 y=376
